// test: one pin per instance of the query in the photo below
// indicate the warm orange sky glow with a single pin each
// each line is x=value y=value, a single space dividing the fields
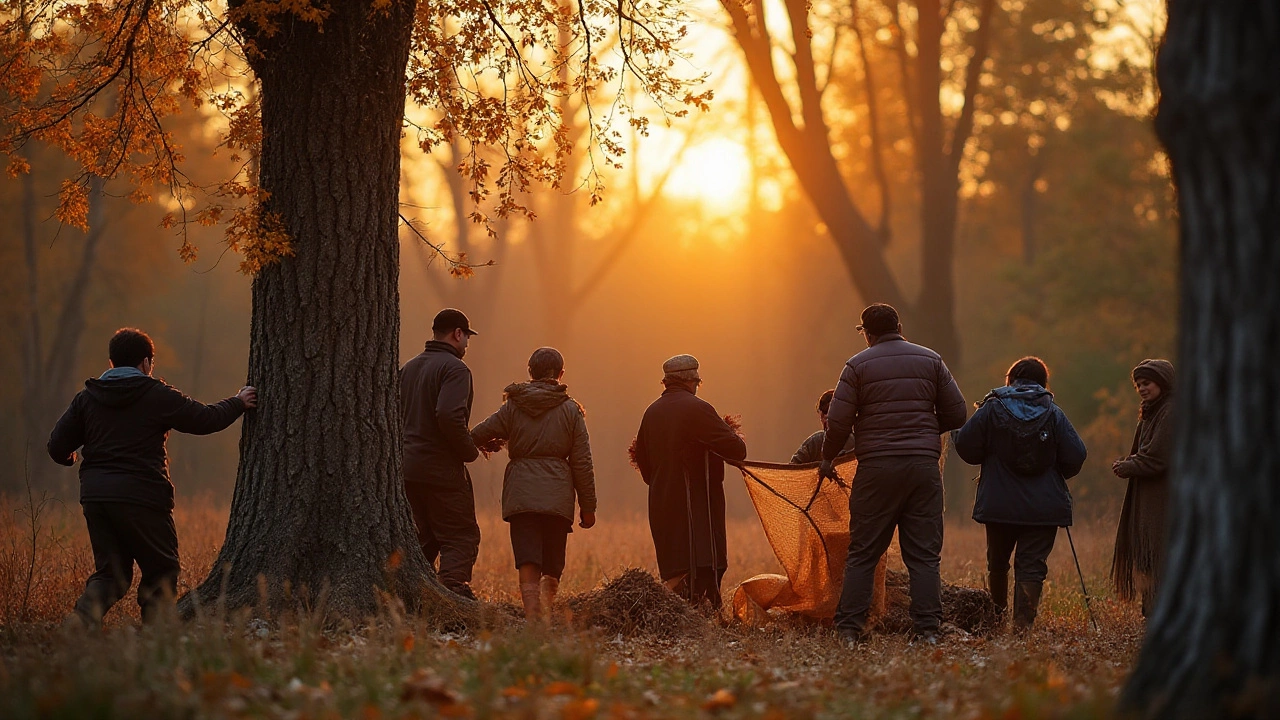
x=715 y=172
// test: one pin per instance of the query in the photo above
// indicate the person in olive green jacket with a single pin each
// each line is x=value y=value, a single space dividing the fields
x=545 y=433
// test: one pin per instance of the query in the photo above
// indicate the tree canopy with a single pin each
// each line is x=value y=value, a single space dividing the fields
x=101 y=80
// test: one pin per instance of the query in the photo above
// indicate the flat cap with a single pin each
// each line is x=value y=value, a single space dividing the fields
x=680 y=363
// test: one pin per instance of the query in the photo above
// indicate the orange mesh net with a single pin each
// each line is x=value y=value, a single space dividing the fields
x=807 y=523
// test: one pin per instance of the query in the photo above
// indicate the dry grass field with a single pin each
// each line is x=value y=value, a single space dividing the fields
x=402 y=667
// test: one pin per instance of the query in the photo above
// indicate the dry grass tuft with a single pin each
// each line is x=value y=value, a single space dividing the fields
x=965 y=608
x=635 y=604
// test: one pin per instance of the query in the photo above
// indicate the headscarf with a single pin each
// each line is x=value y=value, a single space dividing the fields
x=1159 y=372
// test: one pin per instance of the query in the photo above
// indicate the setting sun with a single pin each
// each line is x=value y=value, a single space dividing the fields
x=715 y=172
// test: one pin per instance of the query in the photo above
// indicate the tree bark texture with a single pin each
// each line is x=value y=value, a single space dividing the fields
x=319 y=511
x=1213 y=643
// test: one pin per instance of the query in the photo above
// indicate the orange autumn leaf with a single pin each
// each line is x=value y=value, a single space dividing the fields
x=721 y=699
x=18 y=165
x=580 y=709
x=515 y=692
x=561 y=687
x=407 y=642
x=611 y=672
x=73 y=205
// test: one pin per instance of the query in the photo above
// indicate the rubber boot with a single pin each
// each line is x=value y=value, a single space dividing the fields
x=998 y=582
x=1026 y=599
x=530 y=596
x=550 y=586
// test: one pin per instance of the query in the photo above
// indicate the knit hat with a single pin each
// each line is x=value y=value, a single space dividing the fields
x=1159 y=372
x=681 y=367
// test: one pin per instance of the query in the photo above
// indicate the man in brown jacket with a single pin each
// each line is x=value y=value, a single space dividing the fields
x=549 y=451
x=435 y=406
x=900 y=398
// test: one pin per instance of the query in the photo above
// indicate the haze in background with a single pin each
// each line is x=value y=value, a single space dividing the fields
x=703 y=245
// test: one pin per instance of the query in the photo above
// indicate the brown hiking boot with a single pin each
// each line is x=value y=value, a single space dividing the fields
x=1026 y=600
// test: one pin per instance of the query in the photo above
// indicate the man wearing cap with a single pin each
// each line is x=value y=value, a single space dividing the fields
x=680 y=450
x=900 y=397
x=435 y=405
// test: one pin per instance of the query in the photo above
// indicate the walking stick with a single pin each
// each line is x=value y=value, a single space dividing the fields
x=1083 y=589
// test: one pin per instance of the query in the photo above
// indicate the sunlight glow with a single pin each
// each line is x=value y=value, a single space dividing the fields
x=715 y=172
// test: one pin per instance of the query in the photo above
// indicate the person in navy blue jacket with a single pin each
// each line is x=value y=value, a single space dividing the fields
x=1028 y=450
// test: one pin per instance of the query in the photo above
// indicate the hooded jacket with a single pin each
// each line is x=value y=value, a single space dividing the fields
x=123 y=424
x=899 y=397
x=1012 y=427
x=435 y=407
x=548 y=448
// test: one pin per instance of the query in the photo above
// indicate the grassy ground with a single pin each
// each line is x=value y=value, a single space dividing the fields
x=395 y=667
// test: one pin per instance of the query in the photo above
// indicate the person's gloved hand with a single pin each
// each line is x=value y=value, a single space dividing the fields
x=827 y=471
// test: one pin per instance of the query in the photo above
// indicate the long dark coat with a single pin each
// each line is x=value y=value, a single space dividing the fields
x=1142 y=533
x=679 y=449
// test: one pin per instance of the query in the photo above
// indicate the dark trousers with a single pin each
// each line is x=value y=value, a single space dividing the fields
x=903 y=493
x=1033 y=544
x=120 y=535
x=447 y=529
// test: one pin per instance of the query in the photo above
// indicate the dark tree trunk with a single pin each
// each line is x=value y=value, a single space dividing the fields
x=931 y=318
x=1213 y=643
x=319 y=509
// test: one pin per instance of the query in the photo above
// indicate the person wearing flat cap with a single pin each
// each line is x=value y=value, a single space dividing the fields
x=435 y=406
x=680 y=451
x=1141 y=537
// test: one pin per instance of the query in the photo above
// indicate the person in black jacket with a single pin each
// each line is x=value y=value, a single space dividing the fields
x=121 y=420
x=1028 y=450
x=435 y=406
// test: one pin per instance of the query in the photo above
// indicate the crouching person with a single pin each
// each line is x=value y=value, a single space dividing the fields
x=1028 y=450
x=811 y=449
x=549 y=464
x=122 y=420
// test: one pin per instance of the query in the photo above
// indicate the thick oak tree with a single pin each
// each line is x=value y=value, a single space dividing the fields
x=319 y=513
x=1213 y=644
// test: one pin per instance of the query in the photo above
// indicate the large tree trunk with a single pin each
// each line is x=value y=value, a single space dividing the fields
x=1211 y=648
x=319 y=509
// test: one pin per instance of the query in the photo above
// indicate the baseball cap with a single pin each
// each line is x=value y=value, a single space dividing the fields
x=450 y=319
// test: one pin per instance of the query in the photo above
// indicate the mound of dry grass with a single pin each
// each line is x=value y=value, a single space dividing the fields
x=969 y=609
x=635 y=604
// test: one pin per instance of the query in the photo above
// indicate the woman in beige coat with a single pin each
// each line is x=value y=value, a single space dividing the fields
x=549 y=468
